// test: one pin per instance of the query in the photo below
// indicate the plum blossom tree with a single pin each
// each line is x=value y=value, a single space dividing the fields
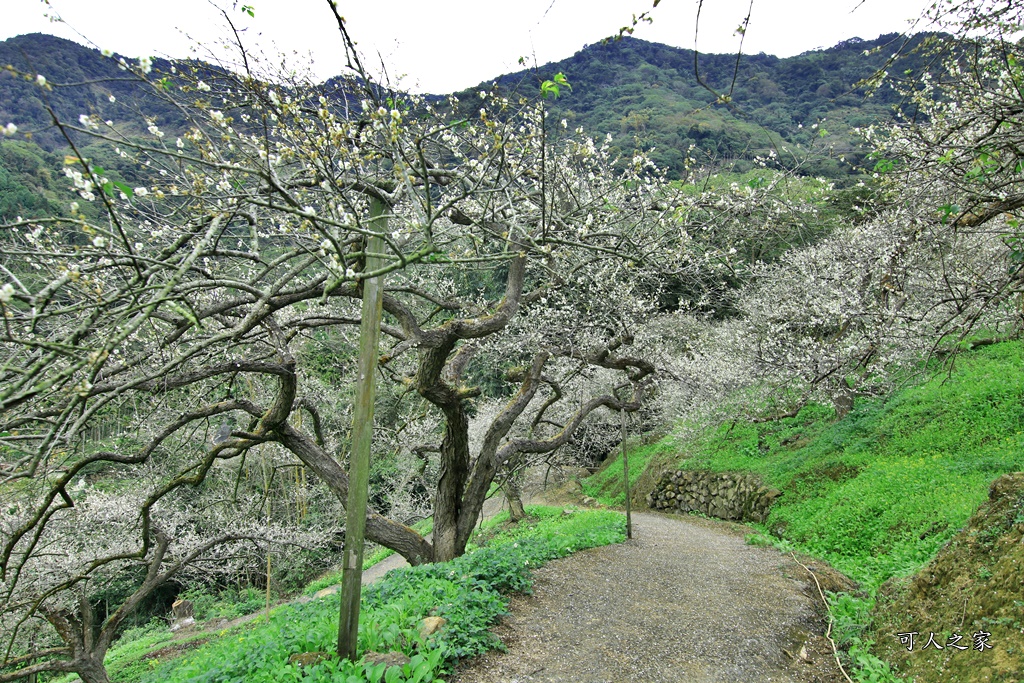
x=954 y=170
x=197 y=299
x=212 y=313
x=853 y=312
x=123 y=533
x=936 y=260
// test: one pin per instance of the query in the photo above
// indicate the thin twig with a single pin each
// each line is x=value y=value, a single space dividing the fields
x=831 y=620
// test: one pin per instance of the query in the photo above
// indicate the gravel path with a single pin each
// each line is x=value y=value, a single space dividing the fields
x=685 y=601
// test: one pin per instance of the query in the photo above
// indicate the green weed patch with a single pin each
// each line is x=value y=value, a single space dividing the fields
x=606 y=485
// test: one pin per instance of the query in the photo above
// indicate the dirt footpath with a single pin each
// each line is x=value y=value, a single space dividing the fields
x=686 y=601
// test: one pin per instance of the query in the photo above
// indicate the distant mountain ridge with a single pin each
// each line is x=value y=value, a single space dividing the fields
x=643 y=94
x=649 y=93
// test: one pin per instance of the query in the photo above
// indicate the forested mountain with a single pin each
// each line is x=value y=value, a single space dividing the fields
x=83 y=78
x=641 y=93
x=649 y=93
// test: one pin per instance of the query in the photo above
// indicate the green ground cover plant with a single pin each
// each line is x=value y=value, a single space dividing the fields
x=470 y=592
x=227 y=604
x=605 y=485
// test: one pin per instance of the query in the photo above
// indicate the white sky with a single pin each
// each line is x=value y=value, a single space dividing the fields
x=440 y=46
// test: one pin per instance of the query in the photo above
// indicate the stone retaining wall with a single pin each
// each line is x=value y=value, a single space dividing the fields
x=738 y=497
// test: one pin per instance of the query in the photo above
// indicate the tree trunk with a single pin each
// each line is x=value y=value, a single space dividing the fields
x=513 y=494
x=91 y=670
x=843 y=402
x=451 y=485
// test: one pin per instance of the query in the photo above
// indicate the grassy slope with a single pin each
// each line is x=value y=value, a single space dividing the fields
x=880 y=491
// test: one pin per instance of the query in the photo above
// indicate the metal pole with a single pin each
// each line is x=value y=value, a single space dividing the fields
x=362 y=436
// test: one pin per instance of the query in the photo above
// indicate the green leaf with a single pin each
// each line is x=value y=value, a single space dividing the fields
x=554 y=86
x=124 y=188
x=947 y=211
x=549 y=88
x=884 y=165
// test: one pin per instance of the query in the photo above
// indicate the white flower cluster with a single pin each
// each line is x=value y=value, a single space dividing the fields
x=84 y=185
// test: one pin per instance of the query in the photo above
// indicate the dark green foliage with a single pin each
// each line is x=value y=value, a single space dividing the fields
x=30 y=182
x=647 y=95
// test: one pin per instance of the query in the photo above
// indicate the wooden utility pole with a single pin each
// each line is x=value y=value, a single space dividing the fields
x=362 y=436
x=625 y=477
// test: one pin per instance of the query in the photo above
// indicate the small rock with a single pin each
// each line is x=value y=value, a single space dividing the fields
x=390 y=658
x=324 y=592
x=181 y=624
x=302 y=659
x=431 y=625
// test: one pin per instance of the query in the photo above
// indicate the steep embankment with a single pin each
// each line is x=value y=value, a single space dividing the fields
x=878 y=492
x=975 y=589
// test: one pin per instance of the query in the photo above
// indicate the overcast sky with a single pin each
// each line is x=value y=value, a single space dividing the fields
x=444 y=45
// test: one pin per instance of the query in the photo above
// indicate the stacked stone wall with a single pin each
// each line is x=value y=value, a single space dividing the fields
x=736 y=497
